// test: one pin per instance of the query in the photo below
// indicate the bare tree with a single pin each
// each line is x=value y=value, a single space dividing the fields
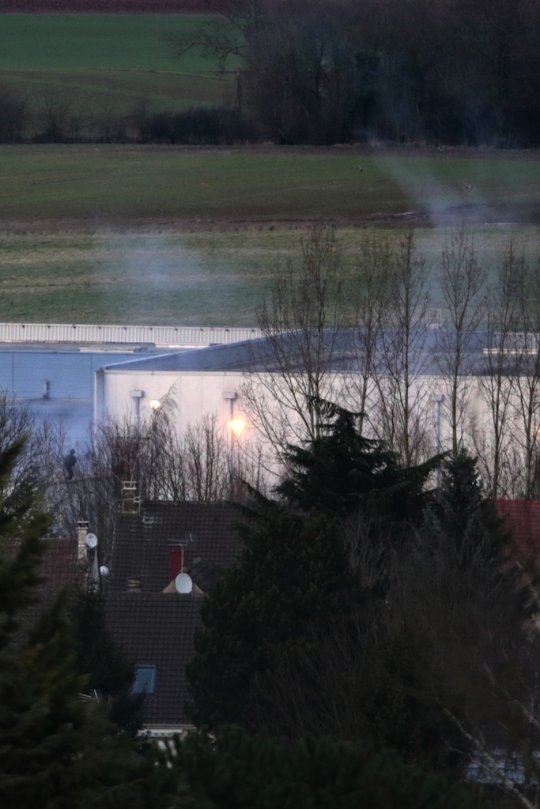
x=294 y=366
x=56 y=111
x=163 y=465
x=36 y=462
x=526 y=375
x=493 y=437
x=236 y=19
x=403 y=360
x=462 y=283
x=373 y=274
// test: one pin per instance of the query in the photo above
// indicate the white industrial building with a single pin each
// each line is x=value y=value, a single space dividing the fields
x=83 y=375
x=212 y=382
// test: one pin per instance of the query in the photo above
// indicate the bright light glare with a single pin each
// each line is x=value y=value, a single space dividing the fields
x=155 y=404
x=238 y=426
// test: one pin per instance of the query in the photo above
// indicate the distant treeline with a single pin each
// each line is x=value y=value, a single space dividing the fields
x=54 y=119
x=454 y=71
x=441 y=71
x=458 y=71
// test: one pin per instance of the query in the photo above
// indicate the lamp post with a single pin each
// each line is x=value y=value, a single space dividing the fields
x=137 y=395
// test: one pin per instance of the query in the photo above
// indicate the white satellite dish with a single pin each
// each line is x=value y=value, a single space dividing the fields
x=183 y=583
x=91 y=541
x=104 y=570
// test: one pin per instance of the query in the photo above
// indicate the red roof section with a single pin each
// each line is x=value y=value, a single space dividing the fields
x=522 y=518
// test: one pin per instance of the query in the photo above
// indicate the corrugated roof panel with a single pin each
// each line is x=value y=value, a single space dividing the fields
x=93 y=333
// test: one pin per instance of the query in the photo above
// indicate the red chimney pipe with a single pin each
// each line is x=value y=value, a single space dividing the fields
x=176 y=561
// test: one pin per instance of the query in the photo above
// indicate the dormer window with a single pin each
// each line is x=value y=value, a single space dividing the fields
x=145 y=680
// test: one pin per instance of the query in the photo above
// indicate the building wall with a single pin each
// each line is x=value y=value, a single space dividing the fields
x=195 y=394
x=199 y=394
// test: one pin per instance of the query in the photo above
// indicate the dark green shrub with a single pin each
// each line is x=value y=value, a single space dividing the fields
x=232 y=770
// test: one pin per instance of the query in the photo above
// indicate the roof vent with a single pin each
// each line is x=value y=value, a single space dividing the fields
x=134 y=584
x=131 y=503
x=82 y=532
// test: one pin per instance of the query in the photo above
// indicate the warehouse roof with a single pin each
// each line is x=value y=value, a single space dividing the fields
x=344 y=348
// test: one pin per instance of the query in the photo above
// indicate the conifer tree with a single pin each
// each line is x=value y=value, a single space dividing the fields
x=56 y=751
x=97 y=656
x=293 y=576
x=465 y=601
x=341 y=471
x=461 y=522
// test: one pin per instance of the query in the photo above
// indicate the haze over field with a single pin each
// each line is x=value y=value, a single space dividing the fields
x=210 y=223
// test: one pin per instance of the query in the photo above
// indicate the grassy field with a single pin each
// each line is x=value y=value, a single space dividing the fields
x=126 y=184
x=173 y=277
x=103 y=233
x=95 y=64
x=191 y=236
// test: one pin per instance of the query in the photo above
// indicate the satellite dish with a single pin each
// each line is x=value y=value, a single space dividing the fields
x=91 y=540
x=104 y=570
x=183 y=583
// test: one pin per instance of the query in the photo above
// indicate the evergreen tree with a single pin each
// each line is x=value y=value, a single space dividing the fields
x=462 y=523
x=56 y=751
x=341 y=471
x=231 y=769
x=465 y=605
x=98 y=657
x=293 y=576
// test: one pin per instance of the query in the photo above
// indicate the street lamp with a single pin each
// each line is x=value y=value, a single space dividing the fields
x=237 y=426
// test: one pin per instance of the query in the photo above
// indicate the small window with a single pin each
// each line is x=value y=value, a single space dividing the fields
x=145 y=680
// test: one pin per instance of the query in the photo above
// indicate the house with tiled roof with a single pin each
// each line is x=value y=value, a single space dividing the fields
x=146 y=614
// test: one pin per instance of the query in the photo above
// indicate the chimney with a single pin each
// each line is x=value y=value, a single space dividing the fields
x=82 y=531
x=176 y=562
x=130 y=502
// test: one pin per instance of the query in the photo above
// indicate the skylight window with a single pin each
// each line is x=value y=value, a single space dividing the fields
x=145 y=680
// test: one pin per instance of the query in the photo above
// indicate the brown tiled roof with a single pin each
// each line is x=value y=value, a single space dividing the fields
x=142 y=542
x=522 y=518
x=157 y=628
x=60 y=566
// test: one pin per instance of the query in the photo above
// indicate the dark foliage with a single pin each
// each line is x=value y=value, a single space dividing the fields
x=469 y=606
x=463 y=523
x=231 y=769
x=56 y=751
x=12 y=116
x=197 y=126
x=293 y=576
x=99 y=658
x=454 y=71
x=341 y=472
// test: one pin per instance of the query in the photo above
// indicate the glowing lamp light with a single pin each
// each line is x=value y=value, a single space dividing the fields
x=155 y=404
x=237 y=426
